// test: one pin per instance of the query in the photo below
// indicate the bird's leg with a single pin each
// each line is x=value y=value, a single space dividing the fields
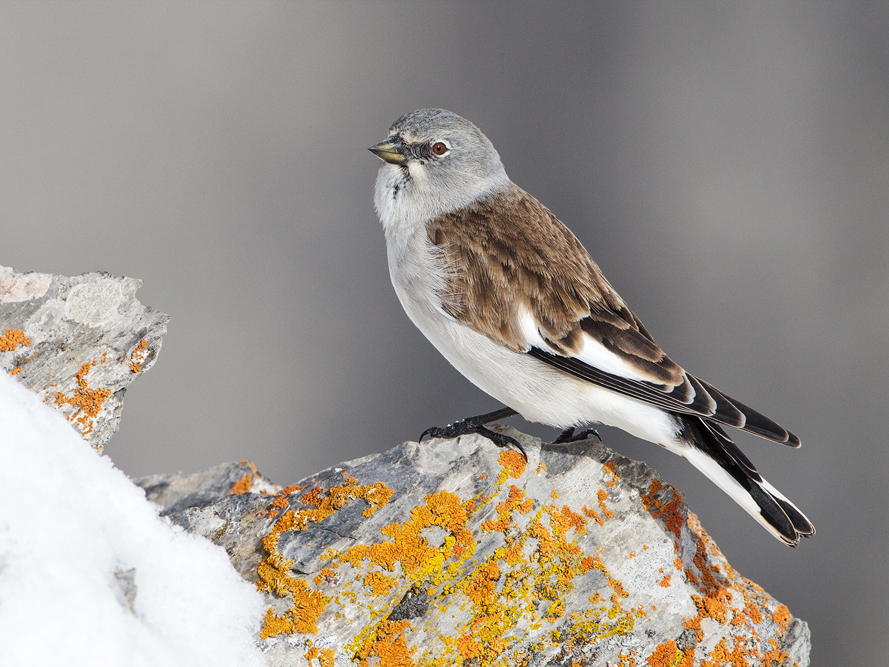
x=568 y=435
x=477 y=425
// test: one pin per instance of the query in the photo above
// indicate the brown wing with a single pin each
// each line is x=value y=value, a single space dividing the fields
x=507 y=255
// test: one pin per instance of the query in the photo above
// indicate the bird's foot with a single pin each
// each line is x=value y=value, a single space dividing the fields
x=568 y=435
x=477 y=425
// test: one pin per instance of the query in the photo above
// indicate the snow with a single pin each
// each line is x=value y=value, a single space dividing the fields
x=69 y=521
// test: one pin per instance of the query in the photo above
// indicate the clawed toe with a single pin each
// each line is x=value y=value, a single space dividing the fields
x=455 y=430
x=568 y=435
x=501 y=440
x=477 y=425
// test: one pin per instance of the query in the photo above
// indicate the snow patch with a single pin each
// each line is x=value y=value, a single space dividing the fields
x=90 y=574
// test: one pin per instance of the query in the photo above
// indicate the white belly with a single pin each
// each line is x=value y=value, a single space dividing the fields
x=537 y=391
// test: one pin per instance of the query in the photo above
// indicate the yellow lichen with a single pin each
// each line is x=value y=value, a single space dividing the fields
x=513 y=465
x=521 y=587
x=274 y=570
x=388 y=644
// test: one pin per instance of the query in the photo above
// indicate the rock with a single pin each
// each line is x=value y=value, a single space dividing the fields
x=452 y=552
x=174 y=493
x=78 y=342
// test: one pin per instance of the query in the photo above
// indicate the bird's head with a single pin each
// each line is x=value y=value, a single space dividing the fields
x=436 y=162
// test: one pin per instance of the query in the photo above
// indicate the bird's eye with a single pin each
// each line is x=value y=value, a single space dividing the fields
x=439 y=148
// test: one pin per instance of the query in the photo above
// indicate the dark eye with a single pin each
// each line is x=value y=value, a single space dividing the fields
x=439 y=148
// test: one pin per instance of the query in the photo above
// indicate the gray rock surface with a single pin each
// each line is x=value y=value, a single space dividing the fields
x=78 y=342
x=457 y=553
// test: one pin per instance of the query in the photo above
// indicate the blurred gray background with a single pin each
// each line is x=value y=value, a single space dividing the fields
x=726 y=164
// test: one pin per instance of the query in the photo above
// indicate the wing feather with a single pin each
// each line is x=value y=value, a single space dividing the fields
x=556 y=305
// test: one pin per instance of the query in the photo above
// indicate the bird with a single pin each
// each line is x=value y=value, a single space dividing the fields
x=512 y=299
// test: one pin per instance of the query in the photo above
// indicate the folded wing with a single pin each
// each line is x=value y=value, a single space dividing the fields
x=540 y=293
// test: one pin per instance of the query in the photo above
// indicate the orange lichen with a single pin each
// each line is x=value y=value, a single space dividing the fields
x=16 y=370
x=610 y=468
x=408 y=548
x=712 y=606
x=722 y=654
x=326 y=575
x=274 y=570
x=12 y=339
x=592 y=514
x=668 y=510
x=137 y=356
x=243 y=485
x=522 y=586
x=721 y=590
x=602 y=496
x=665 y=655
x=325 y=657
x=695 y=624
x=280 y=500
x=688 y=658
x=564 y=519
x=505 y=509
x=377 y=582
x=774 y=657
x=540 y=561
x=781 y=616
x=513 y=465
x=752 y=612
x=388 y=643
x=483 y=585
x=307 y=604
x=87 y=403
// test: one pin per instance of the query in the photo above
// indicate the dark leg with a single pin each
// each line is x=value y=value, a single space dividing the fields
x=568 y=435
x=477 y=425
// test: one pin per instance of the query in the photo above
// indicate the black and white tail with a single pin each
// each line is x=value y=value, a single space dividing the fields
x=709 y=449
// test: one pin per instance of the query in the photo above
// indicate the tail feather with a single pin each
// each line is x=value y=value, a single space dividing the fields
x=712 y=452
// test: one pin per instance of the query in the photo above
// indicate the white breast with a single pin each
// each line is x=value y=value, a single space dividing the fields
x=534 y=389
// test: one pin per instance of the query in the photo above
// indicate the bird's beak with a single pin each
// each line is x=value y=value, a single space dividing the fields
x=391 y=150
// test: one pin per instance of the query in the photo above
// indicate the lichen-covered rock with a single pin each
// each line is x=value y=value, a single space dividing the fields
x=457 y=553
x=78 y=342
